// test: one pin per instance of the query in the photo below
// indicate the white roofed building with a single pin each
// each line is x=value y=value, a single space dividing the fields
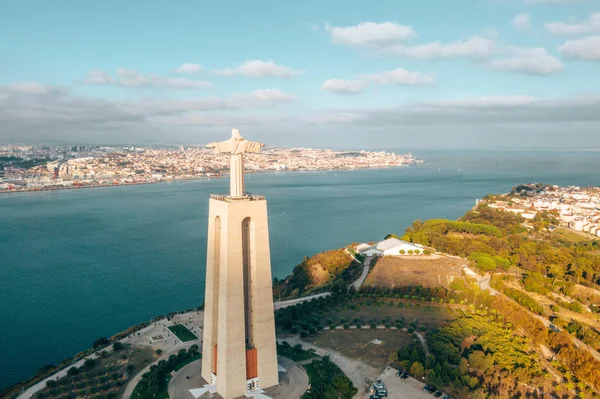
x=394 y=246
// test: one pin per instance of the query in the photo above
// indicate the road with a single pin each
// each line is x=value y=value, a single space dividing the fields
x=290 y=302
x=364 y=274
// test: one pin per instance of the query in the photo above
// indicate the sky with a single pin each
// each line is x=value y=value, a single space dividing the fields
x=312 y=73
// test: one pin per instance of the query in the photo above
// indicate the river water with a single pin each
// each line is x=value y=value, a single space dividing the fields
x=79 y=264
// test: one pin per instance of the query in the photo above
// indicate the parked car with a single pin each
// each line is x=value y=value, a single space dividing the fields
x=446 y=396
x=381 y=393
x=429 y=388
x=404 y=375
x=437 y=394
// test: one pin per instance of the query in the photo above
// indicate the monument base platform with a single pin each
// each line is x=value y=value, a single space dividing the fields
x=187 y=383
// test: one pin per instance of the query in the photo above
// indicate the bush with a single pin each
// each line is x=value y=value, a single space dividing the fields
x=117 y=346
x=303 y=333
x=295 y=329
x=102 y=341
x=312 y=330
x=158 y=352
x=402 y=252
x=358 y=325
x=410 y=330
x=373 y=326
x=410 y=252
x=73 y=371
x=346 y=326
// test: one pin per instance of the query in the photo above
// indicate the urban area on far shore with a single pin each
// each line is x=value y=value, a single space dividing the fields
x=576 y=208
x=27 y=168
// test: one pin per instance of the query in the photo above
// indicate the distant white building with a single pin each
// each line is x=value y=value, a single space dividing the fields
x=393 y=246
x=367 y=250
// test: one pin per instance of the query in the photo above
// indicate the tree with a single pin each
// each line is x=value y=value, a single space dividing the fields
x=158 y=352
x=117 y=346
x=102 y=341
x=402 y=252
x=73 y=371
x=417 y=370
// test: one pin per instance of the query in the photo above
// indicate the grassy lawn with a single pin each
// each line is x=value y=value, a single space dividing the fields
x=180 y=365
x=570 y=235
x=182 y=332
x=427 y=314
x=356 y=344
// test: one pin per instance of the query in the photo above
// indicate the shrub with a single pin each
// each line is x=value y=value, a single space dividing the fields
x=411 y=330
x=346 y=326
x=158 y=352
x=388 y=325
x=295 y=329
x=117 y=346
x=373 y=326
x=304 y=333
x=410 y=252
x=402 y=252
x=312 y=330
x=73 y=371
x=358 y=325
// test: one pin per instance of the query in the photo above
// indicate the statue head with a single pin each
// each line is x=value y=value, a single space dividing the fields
x=235 y=134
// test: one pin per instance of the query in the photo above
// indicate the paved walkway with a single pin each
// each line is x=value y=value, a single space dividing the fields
x=364 y=274
x=361 y=374
x=290 y=302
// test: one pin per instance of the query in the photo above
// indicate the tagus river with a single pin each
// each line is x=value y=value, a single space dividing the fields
x=79 y=264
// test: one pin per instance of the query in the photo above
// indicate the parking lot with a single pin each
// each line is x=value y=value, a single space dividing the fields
x=398 y=388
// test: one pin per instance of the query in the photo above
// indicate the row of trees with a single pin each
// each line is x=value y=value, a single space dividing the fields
x=155 y=381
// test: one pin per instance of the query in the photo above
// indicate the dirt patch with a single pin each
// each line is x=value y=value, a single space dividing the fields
x=402 y=271
x=356 y=344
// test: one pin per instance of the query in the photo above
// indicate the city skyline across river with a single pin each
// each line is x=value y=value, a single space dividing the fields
x=79 y=264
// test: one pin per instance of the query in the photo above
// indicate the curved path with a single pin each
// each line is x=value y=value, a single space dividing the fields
x=360 y=373
x=364 y=274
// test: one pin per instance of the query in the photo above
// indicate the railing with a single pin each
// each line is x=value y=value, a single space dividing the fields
x=228 y=198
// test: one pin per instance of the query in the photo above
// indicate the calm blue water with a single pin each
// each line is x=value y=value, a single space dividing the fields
x=79 y=264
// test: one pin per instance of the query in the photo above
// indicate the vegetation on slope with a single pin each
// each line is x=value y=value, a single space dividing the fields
x=319 y=272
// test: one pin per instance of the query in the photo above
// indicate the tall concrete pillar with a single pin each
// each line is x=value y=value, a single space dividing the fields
x=239 y=347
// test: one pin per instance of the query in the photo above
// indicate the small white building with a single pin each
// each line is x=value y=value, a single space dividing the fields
x=393 y=246
x=367 y=250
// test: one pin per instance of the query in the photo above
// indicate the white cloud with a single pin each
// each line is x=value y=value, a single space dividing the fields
x=521 y=21
x=131 y=78
x=341 y=86
x=534 y=61
x=259 y=69
x=34 y=88
x=591 y=25
x=488 y=101
x=267 y=96
x=370 y=33
x=189 y=68
x=401 y=77
x=475 y=47
x=587 y=48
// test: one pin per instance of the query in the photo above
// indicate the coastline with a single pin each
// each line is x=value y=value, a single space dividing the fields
x=136 y=183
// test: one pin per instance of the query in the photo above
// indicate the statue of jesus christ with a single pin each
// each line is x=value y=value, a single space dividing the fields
x=237 y=146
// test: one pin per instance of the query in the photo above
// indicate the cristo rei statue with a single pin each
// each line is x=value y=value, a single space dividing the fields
x=237 y=146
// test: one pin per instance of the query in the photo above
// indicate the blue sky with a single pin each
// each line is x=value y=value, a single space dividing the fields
x=499 y=73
